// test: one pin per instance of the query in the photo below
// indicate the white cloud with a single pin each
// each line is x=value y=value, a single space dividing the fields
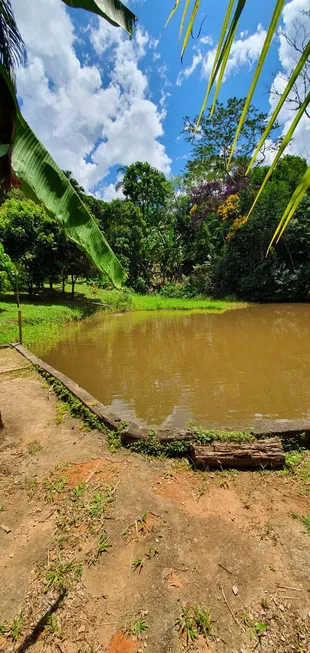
x=244 y=52
x=296 y=24
x=87 y=125
x=183 y=74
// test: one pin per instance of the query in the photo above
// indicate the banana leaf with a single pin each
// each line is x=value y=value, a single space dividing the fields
x=42 y=180
x=271 y=30
x=113 y=11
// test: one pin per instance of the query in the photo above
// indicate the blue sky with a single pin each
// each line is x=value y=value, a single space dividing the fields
x=99 y=101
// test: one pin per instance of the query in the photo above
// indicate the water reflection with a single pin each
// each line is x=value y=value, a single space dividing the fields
x=164 y=368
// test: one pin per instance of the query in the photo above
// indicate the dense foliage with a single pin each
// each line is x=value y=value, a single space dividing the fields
x=183 y=237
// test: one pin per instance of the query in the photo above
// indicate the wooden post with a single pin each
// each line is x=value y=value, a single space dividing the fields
x=20 y=327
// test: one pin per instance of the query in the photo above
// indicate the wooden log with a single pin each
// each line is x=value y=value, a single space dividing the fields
x=266 y=453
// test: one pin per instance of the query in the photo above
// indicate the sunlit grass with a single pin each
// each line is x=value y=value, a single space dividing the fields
x=44 y=318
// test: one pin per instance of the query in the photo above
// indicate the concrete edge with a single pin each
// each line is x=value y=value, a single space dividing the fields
x=133 y=433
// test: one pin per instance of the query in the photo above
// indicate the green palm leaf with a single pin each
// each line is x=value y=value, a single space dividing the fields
x=42 y=180
x=113 y=11
x=271 y=30
x=185 y=10
x=217 y=54
x=291 y=207
x=285 y=142
x=190 y=24
x=172 y=12
x=287 y=90
x=224 y=55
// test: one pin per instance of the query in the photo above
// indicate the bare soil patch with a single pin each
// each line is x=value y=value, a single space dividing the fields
x=103 y=552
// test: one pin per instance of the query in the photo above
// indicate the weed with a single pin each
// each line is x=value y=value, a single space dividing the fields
x=100 y=503
x=78 y=491
x=298 y=464
x=2 y=508
x=61 y=542
x=257 y=628
x=52 y=625
x=201 y=489
x=31 y=484
x=62 y=572
x=17 y=626
x=264 y=603
x=139 y=626
x=114 y=440
x=34 y=447
x=194 y=621
x=4 y=630
x=103 y=547
x=305 y=519
x=53 y=487
x=204 y=436
x=138 y=564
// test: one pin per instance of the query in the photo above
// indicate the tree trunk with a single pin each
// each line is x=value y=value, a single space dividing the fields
x=51 y=284
x=73 y=280
x=259 y=453
x=63 y=283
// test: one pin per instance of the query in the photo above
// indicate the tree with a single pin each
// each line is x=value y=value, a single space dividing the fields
x=221 y=59
x=147 y=188
x=6 y=269
x=296 y=40
x=125 y=228
x=21 y=152
x=211 y=147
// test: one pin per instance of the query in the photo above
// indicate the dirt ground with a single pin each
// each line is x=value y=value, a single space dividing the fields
x=118 y=553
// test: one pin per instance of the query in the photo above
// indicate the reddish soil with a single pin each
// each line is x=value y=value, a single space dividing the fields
x=100 y=552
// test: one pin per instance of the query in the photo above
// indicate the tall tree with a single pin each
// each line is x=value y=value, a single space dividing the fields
x=147 y=188
x=212 y=143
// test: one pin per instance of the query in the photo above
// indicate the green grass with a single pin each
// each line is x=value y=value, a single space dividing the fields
x=41 y=322
x=44 y=318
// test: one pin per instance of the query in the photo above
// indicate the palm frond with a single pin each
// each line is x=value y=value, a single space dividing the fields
x=287 y=138
x=12 y=48
x=291 y=208
x=295 y=74
x=269 y=36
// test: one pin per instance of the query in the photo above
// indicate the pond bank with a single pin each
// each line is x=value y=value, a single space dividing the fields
x=91 y=561
x=44 y=318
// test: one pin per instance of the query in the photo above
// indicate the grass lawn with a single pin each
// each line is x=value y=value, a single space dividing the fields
x=44 y=317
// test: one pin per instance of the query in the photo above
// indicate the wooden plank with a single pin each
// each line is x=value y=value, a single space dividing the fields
x=266 y=453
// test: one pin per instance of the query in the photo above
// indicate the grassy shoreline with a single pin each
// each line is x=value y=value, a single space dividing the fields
x=44 y=318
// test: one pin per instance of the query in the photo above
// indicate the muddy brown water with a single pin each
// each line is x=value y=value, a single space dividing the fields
x=167 y=367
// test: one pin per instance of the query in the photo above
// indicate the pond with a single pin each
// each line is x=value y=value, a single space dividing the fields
x=167 y=367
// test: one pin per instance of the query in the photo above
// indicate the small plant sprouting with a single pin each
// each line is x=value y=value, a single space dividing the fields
x=78 y=491
x=2 y=508
x=54 y=487
x=15 y=629
x=34 y=447
x=100 y=503
x=138 y=564
x=256 y=627
x=194 y=621
x=305 y=519
x=17 y=626
x=63 y=571
x=139 y=626
x=51 y=625
x=103 y=547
